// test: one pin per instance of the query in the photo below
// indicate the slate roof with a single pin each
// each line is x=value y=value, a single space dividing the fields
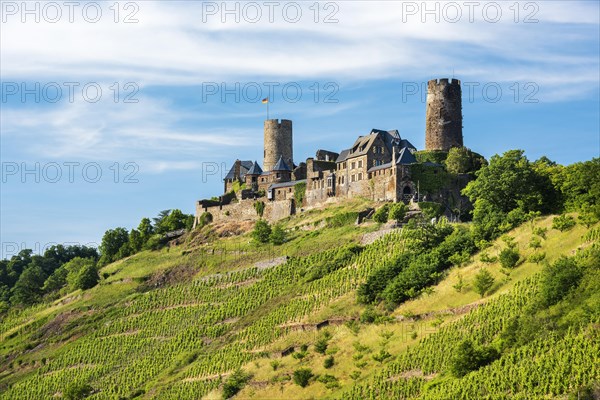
x=378 y=167
x=362 y=145
x=244 y=167
x=285 y=184
x=281 y=165
x=405 y=157
x=255 y=169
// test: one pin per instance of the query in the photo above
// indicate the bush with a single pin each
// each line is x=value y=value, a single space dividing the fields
x=235 y=383
x=278 y=235
x=483 y=282
x=397 y=212
x=206 y=218
x=321 y=346
x=467 y=358
x=330 y=381
x=329 y=361
x=558 y=280
x=430 y=209
x=509 y=257
x=259 y=206
x=262 y=231
x=536 y=258
x=381 y=215
x=563 y=223
x=302 y=376
x=77 y=391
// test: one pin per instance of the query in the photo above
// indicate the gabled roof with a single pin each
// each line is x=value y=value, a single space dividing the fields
x=343 y=155
x=378 y=167
x=255 y=169
x=405 y=157
x=281 y=165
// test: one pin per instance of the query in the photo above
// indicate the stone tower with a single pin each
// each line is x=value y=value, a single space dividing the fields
x=278 y=143
x=443 y=121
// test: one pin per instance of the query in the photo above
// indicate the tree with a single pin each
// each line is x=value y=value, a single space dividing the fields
x=77 y=391
x=173 y=221
x=278 y=235
x=483 y=282
x=135 y=240
x=112 y=241
x=398 y=212
x=81 y=273
x=558 y=279
x=461 y=160
x=28 y=289
x=262 y=231
x=259 y=206
x=146 y=230
x=328 y=363
x=302 y=376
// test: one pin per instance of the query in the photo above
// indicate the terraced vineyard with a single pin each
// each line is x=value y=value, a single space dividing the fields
x=136 y=335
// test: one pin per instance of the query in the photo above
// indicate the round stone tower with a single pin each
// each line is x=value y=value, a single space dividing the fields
x=278 y=143
x=443 y=120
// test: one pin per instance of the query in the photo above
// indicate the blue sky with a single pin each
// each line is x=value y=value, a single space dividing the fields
x=366 y=60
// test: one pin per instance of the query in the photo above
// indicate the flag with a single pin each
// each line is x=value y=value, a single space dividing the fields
x=265 y=100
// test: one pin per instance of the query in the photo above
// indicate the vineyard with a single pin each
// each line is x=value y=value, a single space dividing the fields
x=173 y=324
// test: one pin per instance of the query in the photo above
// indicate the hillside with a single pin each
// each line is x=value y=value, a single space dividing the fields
x=176 y=323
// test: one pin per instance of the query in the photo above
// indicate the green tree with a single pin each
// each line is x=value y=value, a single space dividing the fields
x=278 y=235
x=558 y=279
x=398 y=212
x=77 y=391
x=262 y=231
x=467 y=358
x=483 y=282
x=28 y=289
x=146 y=230
x=259 y=206
x=135 y=240
x=81 y=273
x=328 y=363
x=112 y=241
x=461 y=160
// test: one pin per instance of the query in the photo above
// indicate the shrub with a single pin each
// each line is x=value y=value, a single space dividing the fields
x=329 y=361
x=535 y=243
x=509 y=257
x=206 y=218
x=397 y=212
x=430 y=209
x=536 y=258
x=77 y=391
x=321 y=346
x=302 y=376
x=485 y=257
x=235 y=383
x=330 y=381
x=483 y=282
x=262 y=231
x=467 y=358
x=558 y=279
x=563 y=223
x=275 y=364
x=259 y=206
x=278 y=235
x=381 y=215
x=381 y=356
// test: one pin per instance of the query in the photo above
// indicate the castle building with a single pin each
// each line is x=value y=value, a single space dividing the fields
x=377 y=165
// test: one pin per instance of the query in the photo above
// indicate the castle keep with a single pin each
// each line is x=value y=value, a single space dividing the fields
x=443 y=118
x=379 y=165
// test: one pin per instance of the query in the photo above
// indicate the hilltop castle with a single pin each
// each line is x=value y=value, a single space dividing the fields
x=379 y=165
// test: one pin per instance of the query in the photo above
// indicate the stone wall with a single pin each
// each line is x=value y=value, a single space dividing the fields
x=244 y=210
x=443 y=120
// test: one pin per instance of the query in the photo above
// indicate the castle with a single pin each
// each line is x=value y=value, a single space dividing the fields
x=379 y=165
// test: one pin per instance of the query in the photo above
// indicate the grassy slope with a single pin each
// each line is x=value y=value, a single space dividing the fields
x=29 y=337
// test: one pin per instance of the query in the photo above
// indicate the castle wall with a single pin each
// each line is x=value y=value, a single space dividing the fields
x=278 y=143
x=443 y=120
x=244 y=210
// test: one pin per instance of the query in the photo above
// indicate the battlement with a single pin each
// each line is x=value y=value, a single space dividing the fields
x=272 y=123
x=443 y=82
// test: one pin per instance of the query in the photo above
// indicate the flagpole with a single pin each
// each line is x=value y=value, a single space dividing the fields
x=267 y=109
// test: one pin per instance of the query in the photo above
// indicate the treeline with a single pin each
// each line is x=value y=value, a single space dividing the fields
x=27 y=278
x=506 y=193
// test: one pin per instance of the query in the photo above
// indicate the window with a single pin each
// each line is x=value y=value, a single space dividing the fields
x=353 y=165
x=360 y=176
x=374 y=149
x=360 y=164
x=277 y=175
